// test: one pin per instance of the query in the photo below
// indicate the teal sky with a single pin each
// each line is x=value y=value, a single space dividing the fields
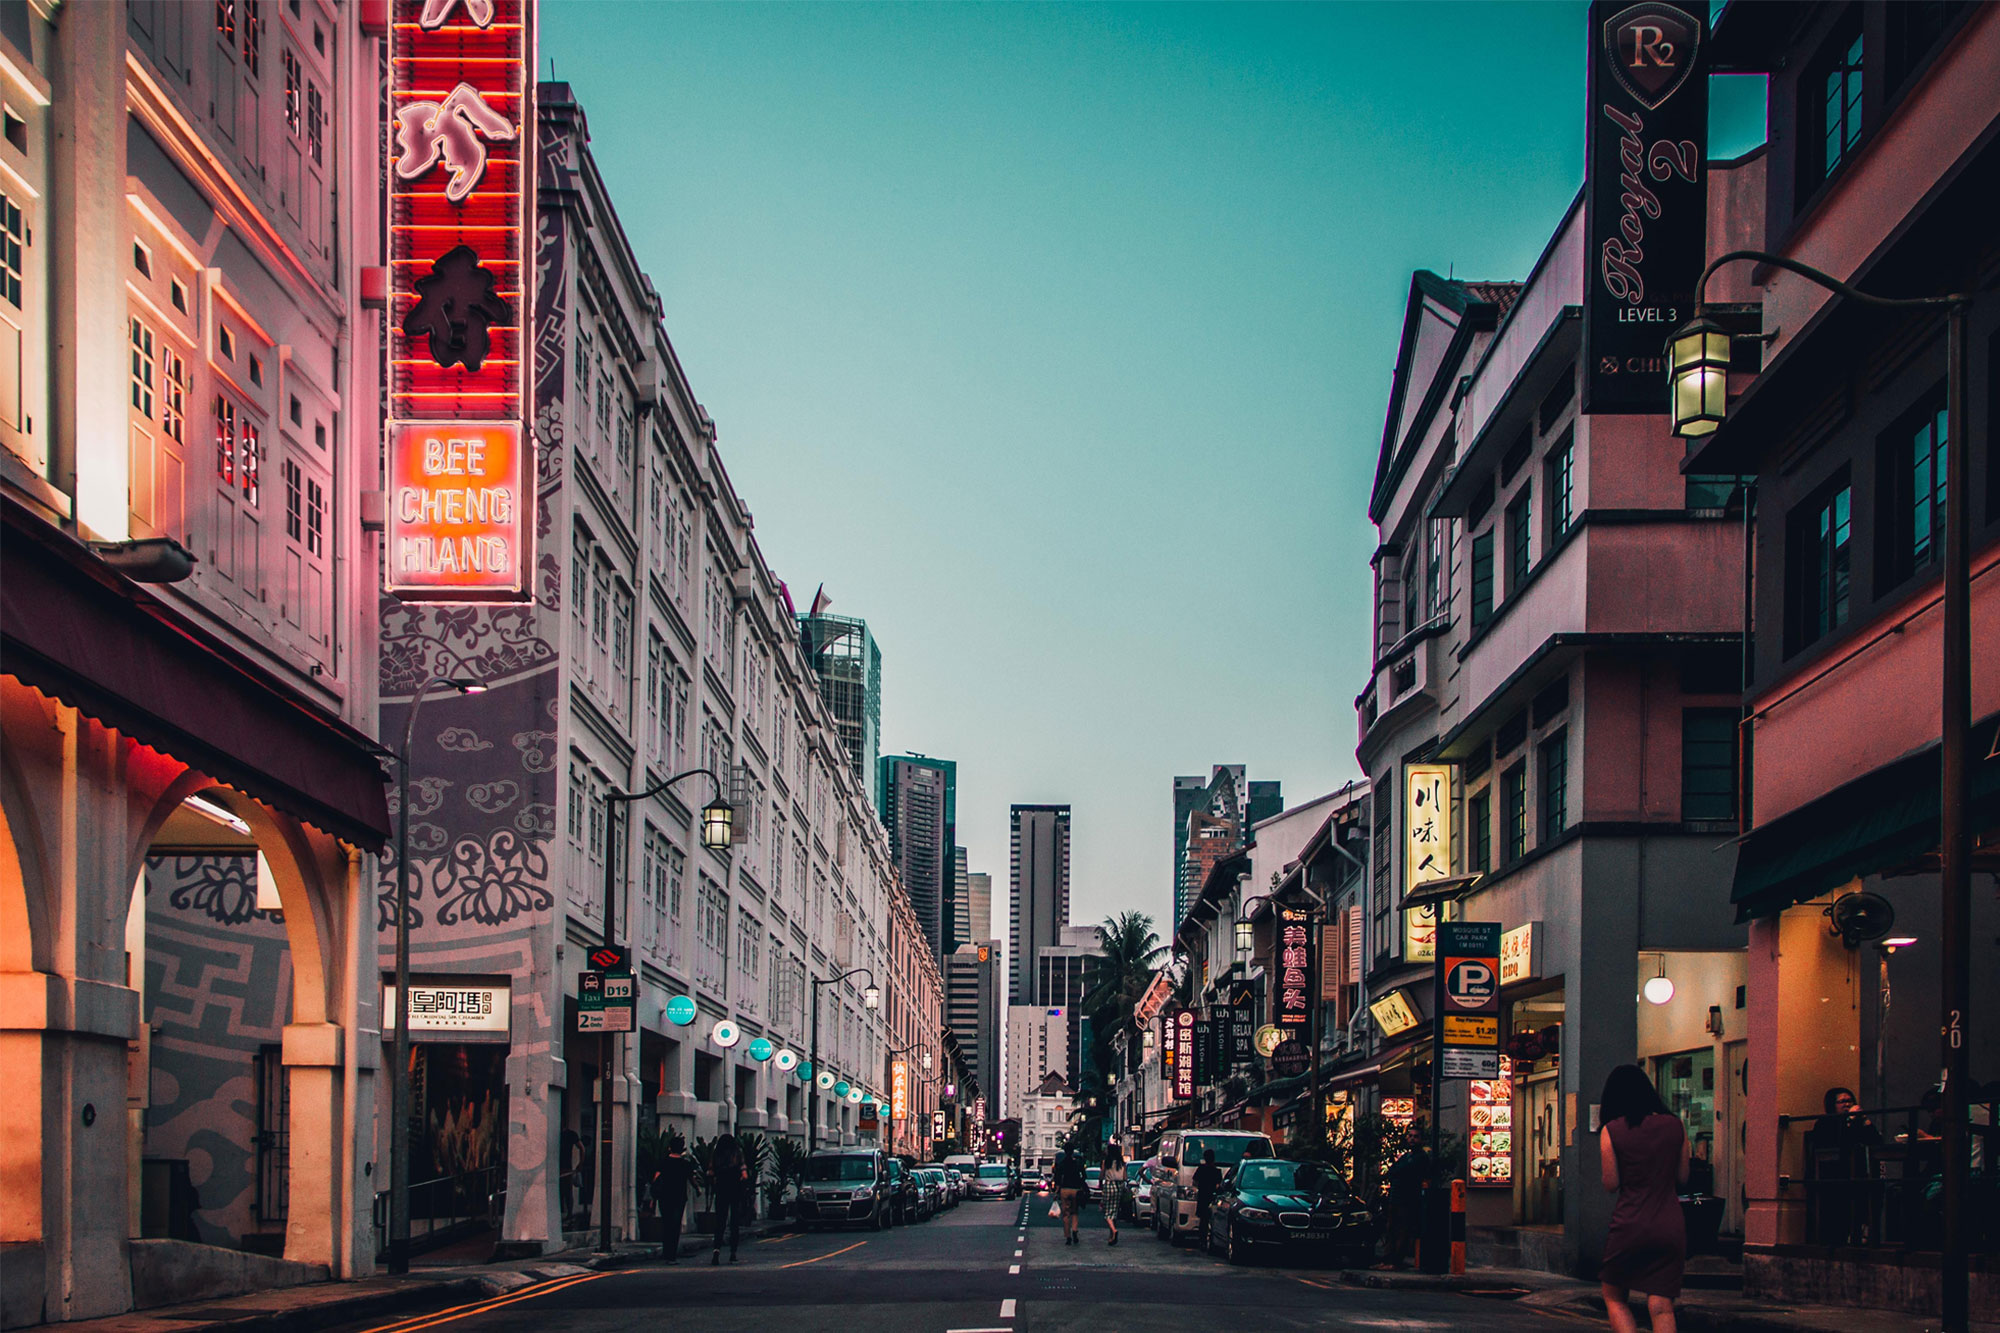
x=1056 y=342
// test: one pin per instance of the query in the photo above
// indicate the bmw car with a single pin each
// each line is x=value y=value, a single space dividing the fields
x=1299 y=1210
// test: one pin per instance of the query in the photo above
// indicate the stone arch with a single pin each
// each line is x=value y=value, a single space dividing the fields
x=25 y=941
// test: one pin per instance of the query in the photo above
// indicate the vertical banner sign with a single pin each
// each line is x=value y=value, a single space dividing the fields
x=1242 y=1028
x=899 y=1090
x=1468 y=999
x=1204 y=1053
x=1183 y=1054
x=1645 y=197
x=1426 y=851
x=460 y=472
x=1297 y=992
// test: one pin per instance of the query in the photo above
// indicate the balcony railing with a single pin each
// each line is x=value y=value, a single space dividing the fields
x=446 y=1208
x=1879 y=1185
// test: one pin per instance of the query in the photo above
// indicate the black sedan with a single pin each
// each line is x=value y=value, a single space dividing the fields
x=1300 y=1210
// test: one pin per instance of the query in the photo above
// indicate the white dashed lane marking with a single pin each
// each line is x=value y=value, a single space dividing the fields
x=1007 y=1308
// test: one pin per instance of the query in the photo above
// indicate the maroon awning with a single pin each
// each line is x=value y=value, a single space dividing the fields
x=108 y=647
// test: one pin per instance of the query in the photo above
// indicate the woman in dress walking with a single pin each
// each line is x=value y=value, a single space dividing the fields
x=1643 y=1149
x=1111 y=1187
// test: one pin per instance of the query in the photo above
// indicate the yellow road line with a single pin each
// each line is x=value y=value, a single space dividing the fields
x=491 y=1303
x=773 y=1240
x=816 y=1258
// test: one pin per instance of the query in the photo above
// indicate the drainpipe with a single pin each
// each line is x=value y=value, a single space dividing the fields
x=347 y=1260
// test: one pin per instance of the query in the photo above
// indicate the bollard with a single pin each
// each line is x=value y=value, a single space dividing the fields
x=1458 y=1227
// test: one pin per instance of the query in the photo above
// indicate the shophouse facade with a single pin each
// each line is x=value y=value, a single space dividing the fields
x=189 y=415
x=659 y=642
x=1559 y=645
x=1845 y=435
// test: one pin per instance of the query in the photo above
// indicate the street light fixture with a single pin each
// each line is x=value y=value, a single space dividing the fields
x=1690 y=346
x=399 y=1095
x=716 y=833
x=1698 y=366
x=871 y=997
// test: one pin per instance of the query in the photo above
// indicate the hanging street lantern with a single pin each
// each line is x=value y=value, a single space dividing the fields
x=1698 y=377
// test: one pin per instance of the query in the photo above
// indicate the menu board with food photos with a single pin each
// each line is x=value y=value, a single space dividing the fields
x=1399 y=1111
x=1489 y=1155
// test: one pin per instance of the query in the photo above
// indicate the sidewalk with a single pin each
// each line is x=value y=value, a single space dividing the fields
x=1697 y=1309
x=430 y=1285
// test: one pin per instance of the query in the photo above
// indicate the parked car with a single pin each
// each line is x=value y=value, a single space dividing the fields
x=963 y=1165
x=995 y=1180
x=903 y=1193
x=1139 y=1198
x=1093 y=1182
x=1300 y=1210
x=1181 y=1150
x=935 y=1180
x=847 y=1188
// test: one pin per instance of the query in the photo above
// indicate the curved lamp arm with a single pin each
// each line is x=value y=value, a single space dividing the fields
x=1824 y=279
x=665 y=783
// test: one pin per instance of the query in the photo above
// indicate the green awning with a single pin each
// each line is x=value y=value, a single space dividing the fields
x=1883 y=819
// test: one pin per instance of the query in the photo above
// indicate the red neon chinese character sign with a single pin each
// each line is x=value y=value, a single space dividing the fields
x=461 y=207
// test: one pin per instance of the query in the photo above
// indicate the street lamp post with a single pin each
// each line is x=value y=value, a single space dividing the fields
x=717 y=831
x=871 y=999
x=399 y=1094
x=1697 y=400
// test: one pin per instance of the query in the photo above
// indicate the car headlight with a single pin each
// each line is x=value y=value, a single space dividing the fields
x=865 y=1192
x=1254 y=1214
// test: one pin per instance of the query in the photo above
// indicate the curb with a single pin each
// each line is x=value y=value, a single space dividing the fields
x=361 y=1305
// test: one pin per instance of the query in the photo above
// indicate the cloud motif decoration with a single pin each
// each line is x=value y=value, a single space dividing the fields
x=538 y=750
x=490 y=798
x=462 y=740
x=537 y=819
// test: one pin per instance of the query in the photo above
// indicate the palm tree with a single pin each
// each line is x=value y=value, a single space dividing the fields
x=1131 y=954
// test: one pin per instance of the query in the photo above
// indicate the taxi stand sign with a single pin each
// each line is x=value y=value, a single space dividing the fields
x=1468 y=999
x=606 y=1002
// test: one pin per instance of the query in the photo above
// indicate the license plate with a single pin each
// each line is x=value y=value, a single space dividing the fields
x=1313 y=1235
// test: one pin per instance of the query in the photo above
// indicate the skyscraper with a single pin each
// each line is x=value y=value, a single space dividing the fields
x=918 y=798
x=960 y=914
x=849 y=665
x=1064 y=973
x=973 y=983
x=979 y=899
x=1038 y=866
x=1212 y=819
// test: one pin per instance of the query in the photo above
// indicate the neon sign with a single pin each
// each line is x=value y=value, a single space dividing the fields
x=460 y=471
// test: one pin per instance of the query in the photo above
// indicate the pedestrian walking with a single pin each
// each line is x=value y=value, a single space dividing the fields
x=1111 y=1185
x=1207 y=1180
x=1068 y=1178
x=1409 y=1175
x=729 y=1180
x=1643 y=1151
x=670 y=1196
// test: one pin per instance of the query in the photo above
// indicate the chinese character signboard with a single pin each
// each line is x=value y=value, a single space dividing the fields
x=1426 y=851
x=1295 y=991
x=469 y=1012
x=1645 y=200
x=899 y=1090
x=1520 y=954
x=1394 y=1013
x=1182 y=1025
x=460 y=477
x=1468 y=999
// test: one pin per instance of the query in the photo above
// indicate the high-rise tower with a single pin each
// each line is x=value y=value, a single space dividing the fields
x=918 y=798
x=849 y=665
x=1038 y=867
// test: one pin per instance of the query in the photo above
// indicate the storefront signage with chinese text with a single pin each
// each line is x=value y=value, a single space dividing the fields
x=460 y=476
x=1296 y=991
x=899 y=1090
x=453 y=1008
x=1394 y=1013
x=1426 y=850
x=1182 y=1024
x=1521 y=954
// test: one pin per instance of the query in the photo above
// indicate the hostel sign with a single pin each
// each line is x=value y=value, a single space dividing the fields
x=460 y=475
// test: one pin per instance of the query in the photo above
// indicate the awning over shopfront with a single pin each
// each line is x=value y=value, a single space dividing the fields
x=80 y=633
x=1886 y=820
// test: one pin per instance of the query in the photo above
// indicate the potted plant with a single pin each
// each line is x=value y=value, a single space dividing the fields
x=702 y=1153
x=788 y=1165
x=756 y=1157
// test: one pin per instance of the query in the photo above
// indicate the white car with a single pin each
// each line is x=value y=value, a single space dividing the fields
x=1139 y=1197
x=1175 y=1217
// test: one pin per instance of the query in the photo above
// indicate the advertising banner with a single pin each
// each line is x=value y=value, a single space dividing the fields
x=1426 y=850
x=1296 y=990
x=899 y=1090
x=1183 y=1048
x=460 y=475
x=1645 y=196
x=1468 y=999
x=472 y=1012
